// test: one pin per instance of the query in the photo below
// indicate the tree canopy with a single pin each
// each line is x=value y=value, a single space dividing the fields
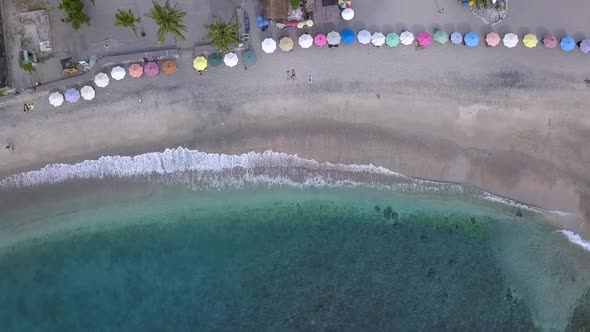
x=222 y=35
x=169 y=19
x=75 y=14
x=127 y=19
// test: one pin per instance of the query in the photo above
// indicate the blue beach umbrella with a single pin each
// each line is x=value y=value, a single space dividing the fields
x=471 y=39
x=348 y=36
x=567 y=43
x=72 y=95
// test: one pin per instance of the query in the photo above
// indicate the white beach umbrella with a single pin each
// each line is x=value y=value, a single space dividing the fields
x=269 y=45
x=230 y=59
x=87 y=92
x=333 y=38
x=56 y=99
x=378 y=39
x=510 y=40
x=101 y=80
x=364 y=37
x=407 y=38
x=348 y=14
x=305 y=40
x=118 y=73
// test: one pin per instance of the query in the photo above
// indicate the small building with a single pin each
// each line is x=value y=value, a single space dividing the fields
x=36 y=33
x=275 y=9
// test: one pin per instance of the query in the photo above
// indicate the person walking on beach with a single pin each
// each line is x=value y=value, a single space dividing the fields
x=292 y=73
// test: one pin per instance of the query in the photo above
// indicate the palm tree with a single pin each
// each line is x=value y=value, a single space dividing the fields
x=127 y=20
x=222 y=35
x=169 y=19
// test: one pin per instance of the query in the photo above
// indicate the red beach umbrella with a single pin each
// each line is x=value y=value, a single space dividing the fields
x=135 y=70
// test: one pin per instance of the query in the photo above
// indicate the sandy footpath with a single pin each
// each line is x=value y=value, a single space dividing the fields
x=492 y=118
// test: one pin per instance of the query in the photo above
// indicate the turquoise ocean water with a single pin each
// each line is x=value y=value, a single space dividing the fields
x=118 y=256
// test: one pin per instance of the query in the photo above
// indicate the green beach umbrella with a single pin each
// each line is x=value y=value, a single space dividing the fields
x=392 y=39
x=441 y=36
x=249 y=58
x=215 y=60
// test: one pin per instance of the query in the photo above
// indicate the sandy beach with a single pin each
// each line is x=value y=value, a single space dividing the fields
x=510 y=121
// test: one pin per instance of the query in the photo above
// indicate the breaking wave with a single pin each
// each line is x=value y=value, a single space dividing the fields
x=201 y=170
x=576 y=239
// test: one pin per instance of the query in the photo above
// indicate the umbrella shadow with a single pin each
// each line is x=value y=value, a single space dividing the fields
x=503 y=29
x=357 y=26
x=483 y=31
x=387 y=28
x=416 y=28
x=449 y=28
x=401 y=27
x=463 y=28
x=523 y=31
x=579 y=36
x=541 y=32
x=560 y=33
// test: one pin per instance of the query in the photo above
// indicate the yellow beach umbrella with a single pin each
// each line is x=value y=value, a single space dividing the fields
x=200 y=63
x=530 y=40
x=286 y=44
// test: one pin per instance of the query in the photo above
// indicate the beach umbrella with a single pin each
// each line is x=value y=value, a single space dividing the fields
x=333 y=38
x=305 y=40
x=378 y=39
x=230 y=59
x=135 y=70
x=269 y=45
x=406 y=38
x=424 y=39
x=510 y=40
x=249 y=58
x=286 y=44
x=118 y=73
x=56 y=99
x=214 y=60
x=348 y=37
x=348 y=14
x=72 y=95
x=101 y=80
x=87 y=92
x=344 y=3
x=456 y=38
x=550 y=41
x=392 y=39
x=530 y=40
x=320 y=40
x=471 y=39
x=585 y=46
x=200 y=63
x=364 y=37
x=151 y=69
x=169 y=67
x=567 y=43
x=441 y=36
x=493 y=39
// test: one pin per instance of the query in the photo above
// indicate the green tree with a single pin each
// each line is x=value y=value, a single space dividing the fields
x=169 y=19
x=222 y=35
x=75 y=13
x=28 y=67
x=126 y=19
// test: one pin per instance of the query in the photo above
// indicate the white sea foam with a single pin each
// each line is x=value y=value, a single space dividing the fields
x=576 y=239
x=201 y=170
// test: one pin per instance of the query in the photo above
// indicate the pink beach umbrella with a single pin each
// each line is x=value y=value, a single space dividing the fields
x=424 y=39
x=550 y=41
x=151 y=69
x=320 y=40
